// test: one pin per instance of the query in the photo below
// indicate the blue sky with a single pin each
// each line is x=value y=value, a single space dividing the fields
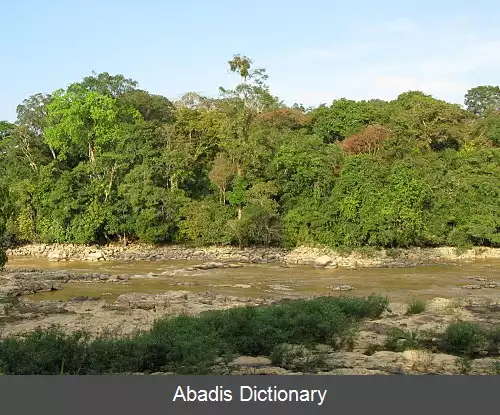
x=314 y=51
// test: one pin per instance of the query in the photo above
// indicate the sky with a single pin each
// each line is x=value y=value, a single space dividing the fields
x=314 y=51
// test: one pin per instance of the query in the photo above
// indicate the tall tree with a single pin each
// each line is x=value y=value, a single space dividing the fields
x=241 y=106
x=82 y=122
x=32 y=114
x=106 y=84
x=483 y=99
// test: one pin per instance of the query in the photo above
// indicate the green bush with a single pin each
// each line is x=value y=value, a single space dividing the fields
x=44 y=353
x=493 y=336
x=298 y=358
x=189 y=345
x=371 y=307
x=416 y=307
x=465 y=338
x=3 y=259
x=399 y=340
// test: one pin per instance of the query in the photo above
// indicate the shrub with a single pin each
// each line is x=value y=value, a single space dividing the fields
x=191 y=345
x=298 y=358
x=465 y=338
x=44 y=353
x=416 y=307
x=372 y=307
x=399 y=340
x=464 y=365
x=3 y=259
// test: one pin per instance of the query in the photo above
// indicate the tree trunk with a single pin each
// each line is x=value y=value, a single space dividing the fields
x=53 y=153
x=91 y=152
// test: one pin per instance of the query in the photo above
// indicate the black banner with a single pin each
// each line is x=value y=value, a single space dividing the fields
x=233 y=395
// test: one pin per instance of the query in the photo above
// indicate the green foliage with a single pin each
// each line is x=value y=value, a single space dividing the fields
x=298 y=358
x=103 y=160
x=399 y=340
x=465 y=338
x=3 y=214
x=189 y=345
x=205 y=223
x=343 y=118
x=3 y=259
x=416 y=307
x=483 y=99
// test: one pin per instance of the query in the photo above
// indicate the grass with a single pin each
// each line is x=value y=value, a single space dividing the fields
x=191 y=345
x=464 y=364
x=298 y=358
x=399 y=340
x=415 y=307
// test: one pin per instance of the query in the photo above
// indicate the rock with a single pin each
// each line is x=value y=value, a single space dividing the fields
x=341 y=287
x=472 y=287
x=57 y=256
x=323 y=261
x=210 y=265
x=280 y=287
x=95 y=256
x=477 y=279
x=250 y=361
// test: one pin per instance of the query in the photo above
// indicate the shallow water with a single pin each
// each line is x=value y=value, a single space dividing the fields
x=273 y=280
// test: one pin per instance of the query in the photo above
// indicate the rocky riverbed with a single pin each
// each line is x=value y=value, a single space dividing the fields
x=367 y=354
x=319 y=257
x=198 y=287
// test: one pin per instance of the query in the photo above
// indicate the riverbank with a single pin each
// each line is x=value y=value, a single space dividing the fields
x=118 y=303
x=326 y=335
x=318 y=257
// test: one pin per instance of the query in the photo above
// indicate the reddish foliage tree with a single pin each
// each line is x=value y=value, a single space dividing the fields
x=285 y=118
x=369 y=140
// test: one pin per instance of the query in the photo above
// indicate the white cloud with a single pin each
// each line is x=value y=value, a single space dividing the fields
x=444 y=61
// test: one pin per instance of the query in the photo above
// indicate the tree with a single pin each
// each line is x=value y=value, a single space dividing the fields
x=237 y=195
x=6 y=129
x=492 y=126
x=304 y=167
x=206 y=222
x=151 y=107
x=369 y=140
x=342 y=119
x=105 y=84
x=427 y=122
x=103 y=160
x=4 y=207
x=221 y=175
x=241 y=105
x=32 y=114
x=482 y=100
x=82 y=122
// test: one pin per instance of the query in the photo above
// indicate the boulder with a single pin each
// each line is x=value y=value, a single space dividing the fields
x=57 y=255
x=250 y=361
x=323 y=261
x=95 y=256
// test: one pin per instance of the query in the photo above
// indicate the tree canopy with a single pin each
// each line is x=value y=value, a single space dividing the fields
x=103 y=160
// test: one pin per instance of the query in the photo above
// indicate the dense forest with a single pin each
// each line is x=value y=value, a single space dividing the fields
x=104 y=160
